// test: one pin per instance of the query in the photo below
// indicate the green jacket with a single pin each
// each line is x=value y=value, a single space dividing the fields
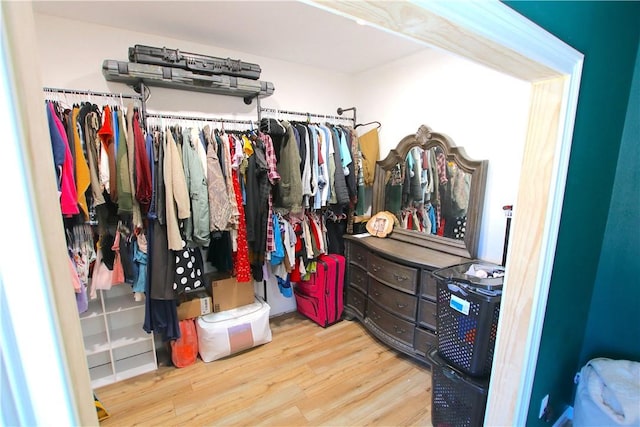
x=289 y=189
x=197 y=226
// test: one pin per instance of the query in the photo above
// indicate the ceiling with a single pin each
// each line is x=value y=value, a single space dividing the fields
x=286 y=30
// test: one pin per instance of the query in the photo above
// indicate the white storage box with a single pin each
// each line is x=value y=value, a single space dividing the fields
x=228 y=332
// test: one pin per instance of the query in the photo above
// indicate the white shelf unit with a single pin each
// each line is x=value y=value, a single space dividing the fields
x=115 y=344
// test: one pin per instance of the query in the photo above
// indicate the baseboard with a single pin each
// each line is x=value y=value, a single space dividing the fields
x=567 y=415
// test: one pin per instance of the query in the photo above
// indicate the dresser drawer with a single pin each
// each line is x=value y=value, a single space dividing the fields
x=424 y=341
x=398 y=303
x=428 y=286
x=358 y=278
x=358 y=255
x=356 y=300
x=395 y=327
x=393 y=274
x=427 y=314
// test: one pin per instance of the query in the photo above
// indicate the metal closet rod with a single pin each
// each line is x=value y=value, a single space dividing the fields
x=299 y=113
x=90 y=93
x=198 y=119
x=343 y=110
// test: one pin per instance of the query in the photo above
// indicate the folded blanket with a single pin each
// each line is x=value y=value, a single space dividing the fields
x=614 y=386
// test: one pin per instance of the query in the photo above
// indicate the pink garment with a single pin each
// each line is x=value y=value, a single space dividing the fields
x=274 y=178
x=75 y=280
x=441 y=164
x=68 y=196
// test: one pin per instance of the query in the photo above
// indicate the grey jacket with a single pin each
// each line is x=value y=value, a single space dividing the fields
x=220 y=210
x=342 y=191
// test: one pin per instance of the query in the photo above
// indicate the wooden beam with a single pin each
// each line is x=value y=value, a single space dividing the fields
x=22 y=45
x=517 y=309
x=413 y=21
x=536 y=217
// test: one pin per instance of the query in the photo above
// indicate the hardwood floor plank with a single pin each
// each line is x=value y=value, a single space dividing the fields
x=266 y=406
x=286 y=416
x=358 y=367
x=149 y=393
x=141 y=414
x=378 y=411
x=241 y=393
x=307 y=376
x=351 y=397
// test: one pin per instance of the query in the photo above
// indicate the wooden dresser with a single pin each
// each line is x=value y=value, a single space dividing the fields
x=390 y=289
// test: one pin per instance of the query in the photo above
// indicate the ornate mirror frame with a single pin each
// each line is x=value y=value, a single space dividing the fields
x=426 y=139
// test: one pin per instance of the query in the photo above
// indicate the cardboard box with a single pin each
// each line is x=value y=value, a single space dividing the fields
x=199 y=304
x=229 y=293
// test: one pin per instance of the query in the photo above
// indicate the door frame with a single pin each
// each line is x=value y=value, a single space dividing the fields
x=492 y=34
x=486 y=32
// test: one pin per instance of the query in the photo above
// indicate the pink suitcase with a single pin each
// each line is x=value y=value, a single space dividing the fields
x=321 y=297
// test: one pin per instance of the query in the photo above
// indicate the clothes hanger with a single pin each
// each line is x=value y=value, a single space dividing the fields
x=370 y=123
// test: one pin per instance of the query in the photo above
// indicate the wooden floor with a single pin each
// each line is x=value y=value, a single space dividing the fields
x=307 y=376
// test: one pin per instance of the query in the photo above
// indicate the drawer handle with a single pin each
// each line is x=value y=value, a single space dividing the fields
x=376 y=293
x=359 y=257
x=375 y=316
x=401 y=305
x=375 y=268
x=398 y=329
x=400 y=278
x=359 y=279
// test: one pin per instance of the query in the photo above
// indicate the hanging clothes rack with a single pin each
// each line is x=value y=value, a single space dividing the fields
x=355 y=122
x=341 y=110
x=91 y=93
x=305 y=114
x=142 y=99
x=222 y=120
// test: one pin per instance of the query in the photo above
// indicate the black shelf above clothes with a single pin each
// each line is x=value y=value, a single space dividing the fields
x=140 y=75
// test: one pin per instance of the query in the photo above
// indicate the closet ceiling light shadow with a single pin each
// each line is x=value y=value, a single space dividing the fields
x=286 y=30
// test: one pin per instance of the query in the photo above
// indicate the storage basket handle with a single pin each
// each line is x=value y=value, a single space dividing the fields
x=455 y=288
x=450 y=374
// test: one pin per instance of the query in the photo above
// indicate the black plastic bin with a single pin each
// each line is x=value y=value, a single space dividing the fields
x=457 y=400
x=468 y=308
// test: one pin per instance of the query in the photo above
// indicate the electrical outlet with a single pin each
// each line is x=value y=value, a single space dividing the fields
x=543 y=407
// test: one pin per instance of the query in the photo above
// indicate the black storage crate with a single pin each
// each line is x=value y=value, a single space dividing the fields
x=457 y=400
x=468 y=308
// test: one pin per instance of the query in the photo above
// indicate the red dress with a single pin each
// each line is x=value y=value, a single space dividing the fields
x=241 y=257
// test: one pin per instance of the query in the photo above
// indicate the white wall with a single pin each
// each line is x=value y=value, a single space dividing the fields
x=75 y=51
x=480 y=109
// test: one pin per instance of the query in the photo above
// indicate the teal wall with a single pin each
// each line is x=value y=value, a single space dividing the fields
x=608 y=34
x=613 y=328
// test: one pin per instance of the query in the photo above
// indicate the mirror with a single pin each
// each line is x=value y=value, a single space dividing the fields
x=435 y=190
